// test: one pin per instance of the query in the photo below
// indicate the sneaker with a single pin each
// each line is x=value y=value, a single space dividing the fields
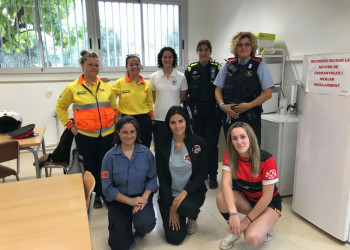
x=228 y=241
x=191 y=226
x=97 y=202
x=213 y=183
x=268 y=236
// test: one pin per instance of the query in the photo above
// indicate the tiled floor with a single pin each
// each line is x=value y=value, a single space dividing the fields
x=290 y=232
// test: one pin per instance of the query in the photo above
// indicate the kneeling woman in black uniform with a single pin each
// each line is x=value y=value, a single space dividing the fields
x=182 y=167
x=128 y=181
x=249 y=177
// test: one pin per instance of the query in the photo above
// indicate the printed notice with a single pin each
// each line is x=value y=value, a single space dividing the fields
x=329 y=74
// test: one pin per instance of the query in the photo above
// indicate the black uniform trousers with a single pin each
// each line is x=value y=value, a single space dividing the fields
x=121 y=219
x=189 y=208
x=251 y=117
x=93 y=150
x=146 y=125
x=207 y=124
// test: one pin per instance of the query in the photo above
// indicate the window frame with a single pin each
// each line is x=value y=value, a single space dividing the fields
x=93 y=30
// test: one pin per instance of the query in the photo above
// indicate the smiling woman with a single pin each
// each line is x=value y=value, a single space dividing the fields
x=182 y=168
x=129 y=180
x=135 y=97
x=95 y=109
x=243 y=84
x=169 y=88
x=249 y=177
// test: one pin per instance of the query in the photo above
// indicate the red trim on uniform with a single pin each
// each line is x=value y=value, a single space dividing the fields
x=256 y=59
x=150 y=113
x=128 y=79
x=104 y=175
x=232 y=59
x=25 y=135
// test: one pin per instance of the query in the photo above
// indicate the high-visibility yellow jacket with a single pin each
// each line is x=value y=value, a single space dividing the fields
x=94 y=107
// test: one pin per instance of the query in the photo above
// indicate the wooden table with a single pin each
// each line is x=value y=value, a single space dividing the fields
x=31 y=144
x=48 y=213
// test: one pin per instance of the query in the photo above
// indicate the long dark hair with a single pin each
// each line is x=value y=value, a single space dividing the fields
x=122 y=121
x=167 y=133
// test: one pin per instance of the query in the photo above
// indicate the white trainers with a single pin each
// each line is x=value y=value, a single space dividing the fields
x=191 y=226
x=228 y=241
x=268 y=236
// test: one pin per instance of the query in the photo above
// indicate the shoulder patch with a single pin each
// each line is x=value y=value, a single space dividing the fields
x=104 y=175
x=194 y=64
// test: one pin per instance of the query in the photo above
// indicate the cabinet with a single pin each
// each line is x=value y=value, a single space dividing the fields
x=279 y=137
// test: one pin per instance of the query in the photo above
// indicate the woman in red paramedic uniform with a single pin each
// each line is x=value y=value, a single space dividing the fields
x=249 y=177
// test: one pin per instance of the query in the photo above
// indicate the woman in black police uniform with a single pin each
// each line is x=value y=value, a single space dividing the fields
x=243 y=84
x=201 y=99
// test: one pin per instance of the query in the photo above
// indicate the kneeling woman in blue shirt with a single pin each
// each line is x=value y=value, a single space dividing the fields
x=128 y=181
x=182 y=167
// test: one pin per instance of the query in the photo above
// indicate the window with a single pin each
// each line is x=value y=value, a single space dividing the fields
x=51 y=33
x=55 y=42
x=139 y=29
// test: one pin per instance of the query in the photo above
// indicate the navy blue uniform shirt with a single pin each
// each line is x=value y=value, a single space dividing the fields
x=129 y=177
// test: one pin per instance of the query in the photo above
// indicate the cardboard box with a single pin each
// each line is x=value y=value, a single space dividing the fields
x=265 y=40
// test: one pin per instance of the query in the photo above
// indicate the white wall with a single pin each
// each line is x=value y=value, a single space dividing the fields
x=301 y=27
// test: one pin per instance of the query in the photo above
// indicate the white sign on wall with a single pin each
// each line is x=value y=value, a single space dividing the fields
x=328 y=74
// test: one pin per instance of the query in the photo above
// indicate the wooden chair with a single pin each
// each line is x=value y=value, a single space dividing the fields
x=9 y=151
x=89 y=185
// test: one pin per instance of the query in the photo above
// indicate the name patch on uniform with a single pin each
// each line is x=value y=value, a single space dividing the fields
x=174 y=81
x=249 y=73
x=102 y=90
x=104 y=175
x=81 y=92
x=126 y=91
x=145 y=91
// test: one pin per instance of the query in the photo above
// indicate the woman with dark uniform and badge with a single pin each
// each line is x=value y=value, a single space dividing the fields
x=243 y=84
x=201 y=101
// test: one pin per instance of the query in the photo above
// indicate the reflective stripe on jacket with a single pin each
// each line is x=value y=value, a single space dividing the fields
x=93 y=107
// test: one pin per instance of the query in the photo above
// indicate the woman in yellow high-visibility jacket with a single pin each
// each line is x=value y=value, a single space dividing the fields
x=135 y=97
x=95 y=109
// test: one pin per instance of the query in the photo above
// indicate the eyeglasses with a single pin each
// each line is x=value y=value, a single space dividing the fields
x=241 y=45
x=133 y=55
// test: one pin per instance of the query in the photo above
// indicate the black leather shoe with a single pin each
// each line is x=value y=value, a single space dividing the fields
x=97 y=202
x=213 y=184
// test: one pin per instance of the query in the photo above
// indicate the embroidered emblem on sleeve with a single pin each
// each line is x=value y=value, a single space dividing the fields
x=104 y=175
x=271 y=174
x=196 y=149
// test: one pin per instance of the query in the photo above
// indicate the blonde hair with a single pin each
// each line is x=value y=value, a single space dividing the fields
x=85 y=55
x=240 y=35
x=254 y=150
